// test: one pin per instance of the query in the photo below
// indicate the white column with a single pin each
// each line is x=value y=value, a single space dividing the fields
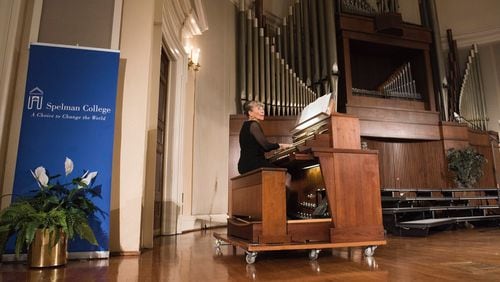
x=19 y=25
x=137 y=52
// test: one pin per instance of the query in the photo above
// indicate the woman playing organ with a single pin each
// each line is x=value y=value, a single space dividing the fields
x=253 y=143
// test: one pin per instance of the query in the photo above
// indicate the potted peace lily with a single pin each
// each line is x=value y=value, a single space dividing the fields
x=56 y=212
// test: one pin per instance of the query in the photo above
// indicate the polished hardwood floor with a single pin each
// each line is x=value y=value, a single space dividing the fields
x=458 y=255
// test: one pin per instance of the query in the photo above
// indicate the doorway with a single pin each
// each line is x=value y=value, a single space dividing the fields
x=160 y=144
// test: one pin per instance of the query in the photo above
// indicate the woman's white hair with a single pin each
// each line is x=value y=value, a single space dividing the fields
x=249 y=105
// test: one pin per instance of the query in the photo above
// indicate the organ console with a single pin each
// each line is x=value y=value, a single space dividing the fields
x=333 y=200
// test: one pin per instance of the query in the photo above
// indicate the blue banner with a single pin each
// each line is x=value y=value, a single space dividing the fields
x=69 y=112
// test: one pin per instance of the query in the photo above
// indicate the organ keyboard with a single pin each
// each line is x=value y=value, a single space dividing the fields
x=312 y=122
x=301 y=137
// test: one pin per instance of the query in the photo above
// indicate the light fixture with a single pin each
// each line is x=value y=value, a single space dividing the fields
x=193 y=57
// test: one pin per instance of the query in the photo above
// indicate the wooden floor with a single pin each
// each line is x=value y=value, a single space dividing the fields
x=459 y=255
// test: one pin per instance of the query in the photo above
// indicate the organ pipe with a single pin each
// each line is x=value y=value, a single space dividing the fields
x=272 y=80
x=241 y=52
x=298 y=29
x=472 y=104
x=307 y=46
x=331 y=46
x=291 y=31
x=315 y=45
x=249 y=60
x=261 y=66
x=288 y=66
x=267 y=62
x=255 y=55
x=322 y=42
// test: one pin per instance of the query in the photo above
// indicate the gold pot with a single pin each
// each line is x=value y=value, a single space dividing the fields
x=43 y=253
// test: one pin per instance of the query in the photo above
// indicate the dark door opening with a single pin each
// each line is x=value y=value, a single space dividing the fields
x=160 y=144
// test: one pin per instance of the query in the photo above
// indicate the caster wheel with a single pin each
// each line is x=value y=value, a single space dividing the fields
x=250 y=257
x=218 y=251
x=218 y=243
x=313 y=254
x=369 y=251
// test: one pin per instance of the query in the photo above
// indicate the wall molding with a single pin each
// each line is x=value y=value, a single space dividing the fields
x=239 y=3
x=117 y=25
x=479 y=37
x=182 y=19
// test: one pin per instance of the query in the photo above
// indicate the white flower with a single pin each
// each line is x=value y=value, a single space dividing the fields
x=41 y=176
x=68 y=166
x=87 y=178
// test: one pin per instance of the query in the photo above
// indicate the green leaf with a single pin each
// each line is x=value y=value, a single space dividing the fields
x=30 y=232
x=20 y=242
x=86 y=233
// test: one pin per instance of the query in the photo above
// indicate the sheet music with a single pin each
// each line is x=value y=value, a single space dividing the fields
x=320 y=105
x=312 y=115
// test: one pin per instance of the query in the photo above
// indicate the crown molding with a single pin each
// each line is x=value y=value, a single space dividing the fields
x=201 y=16
x=238 y=3
x=182 y=19
x=479 y=37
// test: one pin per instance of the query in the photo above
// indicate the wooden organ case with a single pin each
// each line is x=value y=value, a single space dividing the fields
x=328 y=167
x=394 y=69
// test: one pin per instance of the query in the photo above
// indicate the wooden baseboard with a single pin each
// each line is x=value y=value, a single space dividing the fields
x=201 y=229
x=119 y=254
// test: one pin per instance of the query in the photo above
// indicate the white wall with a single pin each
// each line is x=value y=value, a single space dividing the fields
x=467 y=17
x=215 y=92
x=76 y=22
x=211 y=91
x=278 y=8
x=409 y=10
x=489 y=55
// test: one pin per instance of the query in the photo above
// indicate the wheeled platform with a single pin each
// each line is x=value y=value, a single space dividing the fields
x=252 y=249
x=330 y=200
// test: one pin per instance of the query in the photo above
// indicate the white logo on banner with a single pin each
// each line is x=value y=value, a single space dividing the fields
x=61 y=110
x=35 y=99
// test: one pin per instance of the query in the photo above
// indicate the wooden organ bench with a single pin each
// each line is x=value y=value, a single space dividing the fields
x=258 y=206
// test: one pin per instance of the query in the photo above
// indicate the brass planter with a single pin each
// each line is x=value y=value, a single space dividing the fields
x=42 y=253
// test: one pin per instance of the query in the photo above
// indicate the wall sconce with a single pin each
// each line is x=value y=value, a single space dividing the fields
x=193 y=58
